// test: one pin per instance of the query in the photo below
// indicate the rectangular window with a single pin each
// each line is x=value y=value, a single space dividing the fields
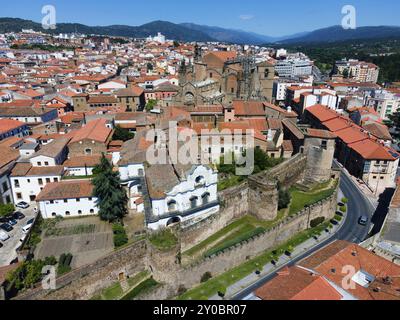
x=39 y=164
x=16 y=183
x=40 y=180
x=19 y=196
x=48 y=180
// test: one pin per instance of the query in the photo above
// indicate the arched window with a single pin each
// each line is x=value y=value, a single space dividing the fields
x=79 y=211
x=67 y=213
x=205 y=198
x=171 y=206
x=200 y=180
x=193 y=202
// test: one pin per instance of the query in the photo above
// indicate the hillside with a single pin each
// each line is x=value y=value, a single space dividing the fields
x=170 y=30
x=337 y=34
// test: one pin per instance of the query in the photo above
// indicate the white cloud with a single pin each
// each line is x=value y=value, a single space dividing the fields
x=246 y=17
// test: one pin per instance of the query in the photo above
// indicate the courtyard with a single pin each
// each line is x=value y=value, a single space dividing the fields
x=87 y=239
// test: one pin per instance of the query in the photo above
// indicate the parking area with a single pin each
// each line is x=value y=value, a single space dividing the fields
x=8 y=251
x=87 y=239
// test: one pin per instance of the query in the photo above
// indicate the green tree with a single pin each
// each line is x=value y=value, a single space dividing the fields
x=111 y=197
x=122 y=134
x=394 y=123
x=150 y=105
x=6 y=209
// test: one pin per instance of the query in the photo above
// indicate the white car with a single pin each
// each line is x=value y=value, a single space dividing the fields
x=4 y=236
x=28 y=226
x=22 y=205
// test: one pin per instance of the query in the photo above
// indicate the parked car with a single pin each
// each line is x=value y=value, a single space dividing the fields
x=22 y=205
x=6 y=227
x=363 y=220
x=4 y=236
x=12 y=222
x=18 y=215
x=28 y=226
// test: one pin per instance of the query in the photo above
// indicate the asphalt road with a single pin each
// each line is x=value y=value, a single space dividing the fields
x=350 y=231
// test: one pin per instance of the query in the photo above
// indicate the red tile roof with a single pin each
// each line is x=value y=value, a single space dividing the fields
x=296 y=283
x=372 y=150
x=323 y=113
x=331 y=261
x=66 y=190
x=8 y=124
x=94 y=130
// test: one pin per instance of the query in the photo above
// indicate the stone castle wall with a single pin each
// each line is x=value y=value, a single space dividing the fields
x=83 y=283
x=190 y=276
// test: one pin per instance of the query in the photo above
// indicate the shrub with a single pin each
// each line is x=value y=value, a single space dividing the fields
x=50 y=261
x=316 y=222
x=120 y=236
x=284 y=199
x=343 y=209
x=345 y=200
x=64 y=263
x=205 y=277
x=222 y=292
x=68 y=259
x=338 y=218
x=62 y=259
x=120 y=239
x=118 y=228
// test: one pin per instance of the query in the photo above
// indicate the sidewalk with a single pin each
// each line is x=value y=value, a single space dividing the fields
x=365 y=190
x=284 y=260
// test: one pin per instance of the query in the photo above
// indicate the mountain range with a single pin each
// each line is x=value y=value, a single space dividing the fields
x=193 y=32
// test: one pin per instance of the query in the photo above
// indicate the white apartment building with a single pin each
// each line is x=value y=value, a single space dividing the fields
x=384 y=102
x=290 y=68
x=28 y=181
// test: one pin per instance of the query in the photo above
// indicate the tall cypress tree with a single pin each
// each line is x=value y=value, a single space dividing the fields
x=111 y=197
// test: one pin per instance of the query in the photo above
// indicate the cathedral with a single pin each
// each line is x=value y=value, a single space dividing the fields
x=219 y=77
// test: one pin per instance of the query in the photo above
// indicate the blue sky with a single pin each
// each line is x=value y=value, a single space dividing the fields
x=269 y=17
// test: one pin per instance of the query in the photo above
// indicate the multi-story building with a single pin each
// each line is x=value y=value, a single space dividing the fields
x=363 y=155
x=290 y=68
x=359 y=71
x=384 y=102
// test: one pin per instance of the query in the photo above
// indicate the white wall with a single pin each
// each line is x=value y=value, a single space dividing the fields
x=75 y=208
x=183 y=192
x=42 y=159
x=29 y=186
